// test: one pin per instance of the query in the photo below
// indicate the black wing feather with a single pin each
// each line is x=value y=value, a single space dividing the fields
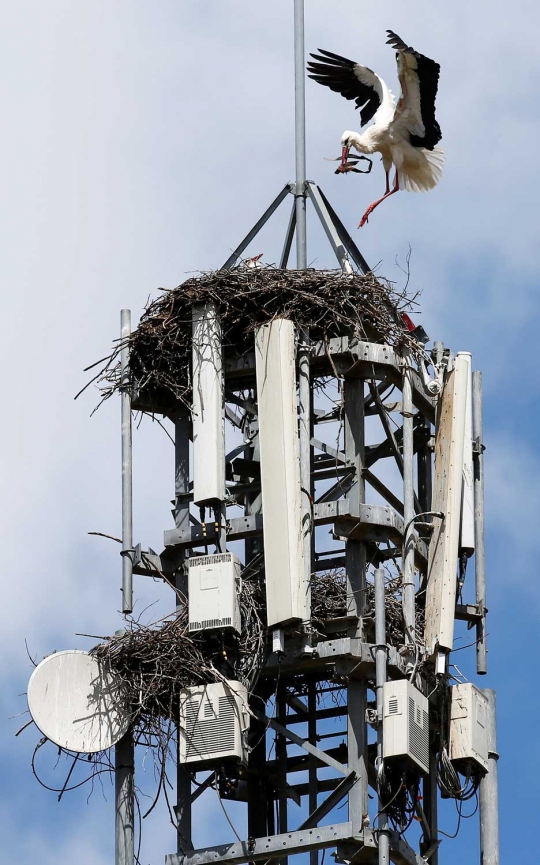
x=337 y=73
x=428 y=79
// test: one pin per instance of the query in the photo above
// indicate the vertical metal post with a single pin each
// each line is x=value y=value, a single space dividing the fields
x=380 y=679
x=257 y=790
x=127 y=482
x=281 y=757
x=300 y=134
x=430 y=791
x=253 y=501
x=408 y=506
x=304 y=419
x=181 y=519
x=353 y=395
x=182 y=430
x=312 y=737
x=301 y=263
x=479 y=553
x=489 y=791
x=124 y=801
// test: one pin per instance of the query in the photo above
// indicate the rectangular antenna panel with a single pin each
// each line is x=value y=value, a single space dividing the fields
x=208 y=407
x=213 y=723
x=466 y=541
x=406 y=723
x=214 y=584
x=468 y=726
x=447 y=497
x=286 y=590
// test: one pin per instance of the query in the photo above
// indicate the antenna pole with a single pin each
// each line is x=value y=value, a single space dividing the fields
x=489 y=791
x=303 y=358
x=381 y=650
x=300 y=134
x=408 y=506
x=127 y=485
x=124 y=796
x=480 y=552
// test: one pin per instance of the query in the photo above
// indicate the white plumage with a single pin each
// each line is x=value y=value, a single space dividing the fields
x=405 y=134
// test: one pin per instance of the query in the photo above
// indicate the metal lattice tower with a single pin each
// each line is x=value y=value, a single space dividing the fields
x=316 y=677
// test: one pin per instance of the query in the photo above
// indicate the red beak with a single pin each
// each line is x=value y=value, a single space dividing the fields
x=344 y=155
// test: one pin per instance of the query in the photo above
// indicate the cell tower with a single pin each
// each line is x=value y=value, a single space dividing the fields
x=361 y=575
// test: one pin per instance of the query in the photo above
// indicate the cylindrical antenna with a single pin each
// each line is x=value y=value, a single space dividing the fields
x=489 y=790
x=124 y=800
x=300 y=134
x=301 y=263
x=408 y=506
x=480 y=552
x=127 y=483
x=380 y=679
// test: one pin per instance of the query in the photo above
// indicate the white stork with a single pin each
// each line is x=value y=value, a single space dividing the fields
x=405 y=135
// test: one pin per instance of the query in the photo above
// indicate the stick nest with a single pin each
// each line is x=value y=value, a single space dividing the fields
x=154 y=663
x=329 y=303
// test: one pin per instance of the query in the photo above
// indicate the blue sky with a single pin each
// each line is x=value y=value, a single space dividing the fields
x=140 y=141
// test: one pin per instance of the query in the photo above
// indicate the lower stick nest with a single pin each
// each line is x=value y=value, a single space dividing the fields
x=329 y=303
x=156 y=662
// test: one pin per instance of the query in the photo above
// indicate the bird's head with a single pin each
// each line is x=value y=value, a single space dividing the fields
x=347 y=140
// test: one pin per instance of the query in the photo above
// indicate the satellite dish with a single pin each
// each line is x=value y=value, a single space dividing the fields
x=76 y=703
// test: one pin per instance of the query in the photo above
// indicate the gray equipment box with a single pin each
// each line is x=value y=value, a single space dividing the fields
x=213 y=723
x=468 y=730
x=406 y=723
x=214 y=584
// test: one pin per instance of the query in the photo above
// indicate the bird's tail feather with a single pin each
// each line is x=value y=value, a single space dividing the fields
x=424 y=173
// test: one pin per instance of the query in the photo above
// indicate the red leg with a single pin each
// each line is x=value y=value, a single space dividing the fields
x=375 y=204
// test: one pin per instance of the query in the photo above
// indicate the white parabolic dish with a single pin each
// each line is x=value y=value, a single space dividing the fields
x=76 y=703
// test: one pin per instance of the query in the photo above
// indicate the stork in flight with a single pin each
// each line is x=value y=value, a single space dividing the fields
x=404 y=134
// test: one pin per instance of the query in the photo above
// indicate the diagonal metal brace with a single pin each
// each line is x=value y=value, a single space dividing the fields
x=329 y=227
x=324 y=808
x=345 y=237
x=303 y=743
x=330 y=802
x=233 y=258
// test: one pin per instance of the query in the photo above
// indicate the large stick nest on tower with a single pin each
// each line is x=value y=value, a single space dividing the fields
x=153 y=663
x=156 y=662
x=329 y=303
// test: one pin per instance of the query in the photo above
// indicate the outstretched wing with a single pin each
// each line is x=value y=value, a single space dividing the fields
x=419 y=79
x=351 y=80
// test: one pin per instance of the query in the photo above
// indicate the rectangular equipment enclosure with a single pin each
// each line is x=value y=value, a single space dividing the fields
x=466 y=540
x=468 y=726
x=406 y=723
x=208 y=408
x=286 y=588
x=447 y=496
x=214 y=584
x=213 y=723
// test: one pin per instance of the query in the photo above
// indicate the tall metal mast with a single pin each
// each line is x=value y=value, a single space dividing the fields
x=307 y=664
x=300 y=134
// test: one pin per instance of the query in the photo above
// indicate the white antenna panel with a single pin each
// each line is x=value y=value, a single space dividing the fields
x=447 y=496
x=466 y=541
x=208 y=411
x=76 y=703
x=286 y=594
